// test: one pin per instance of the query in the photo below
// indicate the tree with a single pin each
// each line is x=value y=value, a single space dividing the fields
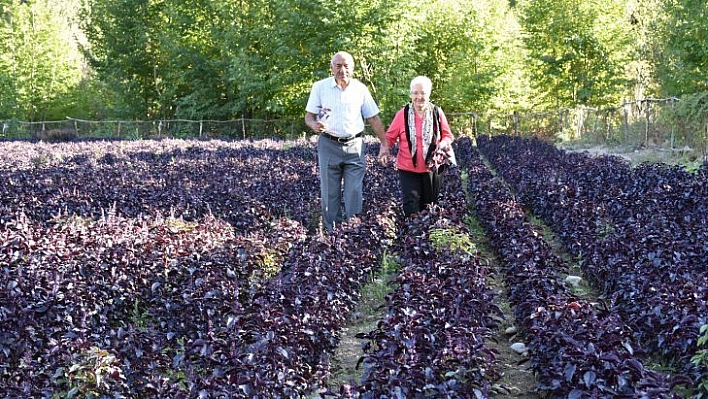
x=455 y=44
x=191 y=74
x=682 y=56
x=141 y=48
x=644 y=17
x=283 y=46
x=578 y=50
x=39 y=59
x=277 y=47
x=471 y=52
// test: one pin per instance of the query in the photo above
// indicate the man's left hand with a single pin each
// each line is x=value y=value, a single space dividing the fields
x=384 y=156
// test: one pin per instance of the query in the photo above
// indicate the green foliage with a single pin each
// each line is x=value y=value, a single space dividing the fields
x=281 y=46
x=38 y=63
x=268 y=262
x=451 y=240
x=457 y=53
x=178 y=225
x=690 y=115
x=682 y=54
x=203 y=59
x=259 y=60
x=459 y=45
x=380 y=284
x=92 y=373
x=577 y=50
x=139 y=317
x=700 y=359
x=162 y=59
x=644 y=20
x=383 y=59
x=123 y=50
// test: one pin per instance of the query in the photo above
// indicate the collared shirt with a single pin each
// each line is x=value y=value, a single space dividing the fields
x=348 y=107
x=397 y=134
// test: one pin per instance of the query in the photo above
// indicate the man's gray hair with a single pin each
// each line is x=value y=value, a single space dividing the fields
x=344 y=55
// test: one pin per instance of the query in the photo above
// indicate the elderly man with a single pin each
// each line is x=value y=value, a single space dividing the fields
x=336 y=111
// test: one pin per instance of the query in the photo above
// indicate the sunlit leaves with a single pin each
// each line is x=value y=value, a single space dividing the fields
x=578 y=49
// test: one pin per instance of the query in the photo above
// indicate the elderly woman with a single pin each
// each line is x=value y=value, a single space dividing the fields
x=423 y=134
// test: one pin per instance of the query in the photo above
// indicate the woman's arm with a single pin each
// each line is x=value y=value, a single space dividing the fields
x=393 y=134
x=446 y=137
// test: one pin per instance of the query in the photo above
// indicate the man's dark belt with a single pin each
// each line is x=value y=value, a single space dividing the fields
x=342 y=140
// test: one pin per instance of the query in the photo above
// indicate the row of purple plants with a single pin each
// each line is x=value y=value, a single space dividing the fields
x=81 y=284
x=640 y=234
x=431 y=341
x=175 y=270
x=578 y=348
x=281 y=345
x=238 y=181
x=178 y=269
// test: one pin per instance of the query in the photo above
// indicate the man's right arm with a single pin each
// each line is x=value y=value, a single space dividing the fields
x=312 y=123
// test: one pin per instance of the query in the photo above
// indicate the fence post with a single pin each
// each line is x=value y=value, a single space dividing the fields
x=673 y=134
x=625 y=122
x=516 y=122
x=608 y=125
x=581 y=121
x=705 y=151
x=474 y=124
x=646 y=123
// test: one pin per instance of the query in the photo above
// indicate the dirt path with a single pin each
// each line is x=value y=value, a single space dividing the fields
x=684 y=156
x=517 y=379
x=365 y=318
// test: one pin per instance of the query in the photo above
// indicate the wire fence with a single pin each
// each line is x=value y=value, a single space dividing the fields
x=647 y=122
x=73 y=128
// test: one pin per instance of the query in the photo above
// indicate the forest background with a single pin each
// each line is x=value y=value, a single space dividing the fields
x=257 y=59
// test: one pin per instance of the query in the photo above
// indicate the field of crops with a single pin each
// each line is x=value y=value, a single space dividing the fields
x=198 y=269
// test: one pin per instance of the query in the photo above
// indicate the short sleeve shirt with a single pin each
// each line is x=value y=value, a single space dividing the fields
x=348 y=107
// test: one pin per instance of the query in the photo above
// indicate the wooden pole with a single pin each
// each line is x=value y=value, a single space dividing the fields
x=625 y=122
x=646 y=123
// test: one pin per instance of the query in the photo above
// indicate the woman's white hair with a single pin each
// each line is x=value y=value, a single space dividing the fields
x=424 y=81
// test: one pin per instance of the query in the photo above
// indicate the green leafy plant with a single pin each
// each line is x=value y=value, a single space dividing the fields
x=93 y=373
x=177 y=225
x=449 y=239
x=693 y=166
x=42 y=159
x=139 y=317
x=135 y=134
x=379 y=285
x=604 y=228
x=269 y=262
x=700 y=359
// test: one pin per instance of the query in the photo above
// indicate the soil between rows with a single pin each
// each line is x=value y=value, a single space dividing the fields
x=517 y=380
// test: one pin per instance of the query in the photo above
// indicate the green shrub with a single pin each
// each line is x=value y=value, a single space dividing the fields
x=700 y=359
